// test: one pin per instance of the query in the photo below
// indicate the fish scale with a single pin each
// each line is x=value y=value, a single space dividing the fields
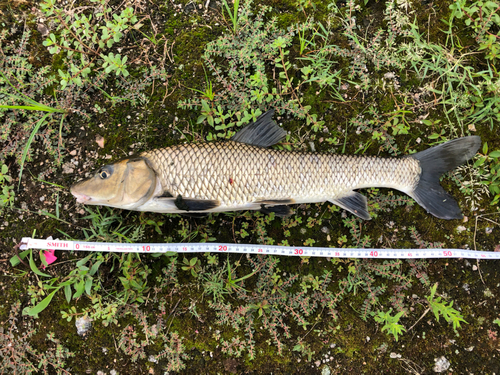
x=238 y=173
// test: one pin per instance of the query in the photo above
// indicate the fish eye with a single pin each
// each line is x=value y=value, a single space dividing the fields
x=104 y=172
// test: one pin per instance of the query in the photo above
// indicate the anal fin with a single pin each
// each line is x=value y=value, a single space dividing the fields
x=355 y=203
x=276 y=201
x=195 y=215
x=189 y=204
x=282 y=211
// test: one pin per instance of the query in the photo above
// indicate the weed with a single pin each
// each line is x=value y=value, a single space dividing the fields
x=173 y=352
x=488 y=170
x=483 y=17
x=84 y=37
x=20 y=83
x=444 y=309
x=193 y=265
x=305 y=349
x=244 y=89
x=232 y=284
x=129 y=345
x=234 y=14
x=214 y=286
x=7 y=190
x=17 y=355
x=391 y=323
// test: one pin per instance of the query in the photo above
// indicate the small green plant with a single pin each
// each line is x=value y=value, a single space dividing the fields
x=488 y=166
x=213 y=285
x=305 y=349
x=193 y=265
x=234 y=14
x=484 y=18
x=83 y=37
x=32 y=105
x=85 y=278
x=444 y=309
x=174 y=352
x=19 y=356
x=115 y=63
x=107 y=226
x=391 y=323
x=260 y=306
x=232 y=284
x=6 y=190
x=209 y=91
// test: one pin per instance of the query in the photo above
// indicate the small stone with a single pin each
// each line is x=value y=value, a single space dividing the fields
x=42 y=29
x=83 y=325
x=442 y=364
x=99 y=140
x=68 y=168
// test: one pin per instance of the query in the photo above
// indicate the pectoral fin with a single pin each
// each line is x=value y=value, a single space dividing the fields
x=188 y=204
x=355 y=203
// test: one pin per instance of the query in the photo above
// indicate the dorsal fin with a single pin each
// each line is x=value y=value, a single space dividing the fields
x=264 y=132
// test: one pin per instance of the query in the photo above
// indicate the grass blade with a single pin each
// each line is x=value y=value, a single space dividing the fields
x=28 y=144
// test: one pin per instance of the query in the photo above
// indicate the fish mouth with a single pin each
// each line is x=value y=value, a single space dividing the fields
x=81 y=198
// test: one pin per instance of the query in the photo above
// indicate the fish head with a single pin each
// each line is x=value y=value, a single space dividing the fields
x=126 y=184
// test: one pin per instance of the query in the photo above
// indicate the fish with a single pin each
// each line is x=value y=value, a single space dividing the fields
x=244 y=173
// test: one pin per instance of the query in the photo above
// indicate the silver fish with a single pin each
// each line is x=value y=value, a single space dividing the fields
x=243 y=174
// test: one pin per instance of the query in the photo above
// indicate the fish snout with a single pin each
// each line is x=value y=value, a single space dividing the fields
x=80 y=198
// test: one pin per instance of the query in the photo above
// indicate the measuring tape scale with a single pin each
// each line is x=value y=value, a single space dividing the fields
x=147 y=248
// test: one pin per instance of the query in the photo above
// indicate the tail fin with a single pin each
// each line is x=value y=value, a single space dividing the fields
x=434 y=162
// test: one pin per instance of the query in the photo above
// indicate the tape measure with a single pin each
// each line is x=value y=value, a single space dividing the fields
x=330 y=252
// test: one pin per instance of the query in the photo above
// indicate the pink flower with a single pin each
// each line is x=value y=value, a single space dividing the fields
x=49 y=257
